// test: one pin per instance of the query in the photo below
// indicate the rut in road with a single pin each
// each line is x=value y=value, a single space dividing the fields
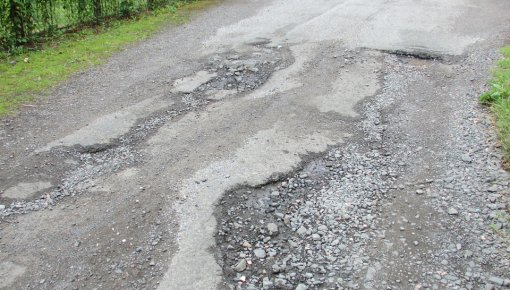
x=268 y=145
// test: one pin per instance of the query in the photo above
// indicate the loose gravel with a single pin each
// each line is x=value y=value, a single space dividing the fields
x=394 y=209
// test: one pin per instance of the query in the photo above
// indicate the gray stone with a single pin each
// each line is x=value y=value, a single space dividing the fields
x=452 y=211
x=466 y=158
x=266 y=283
x=275 y=194
x=506 y=283
x=259 y=253
x=272 y=228
x=497 y=280
x=493 y=188
x=323 y=228
x=301 y=231
x=301 y=287
x=276 y=268
x=241 y=265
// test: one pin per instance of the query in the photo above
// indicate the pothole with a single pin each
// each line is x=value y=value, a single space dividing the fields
x=231 y=72
x=417 y=53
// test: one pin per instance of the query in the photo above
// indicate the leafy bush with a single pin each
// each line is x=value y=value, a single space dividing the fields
x=25 y=21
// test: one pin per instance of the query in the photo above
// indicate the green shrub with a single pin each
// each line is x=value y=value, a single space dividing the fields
x=498 y=98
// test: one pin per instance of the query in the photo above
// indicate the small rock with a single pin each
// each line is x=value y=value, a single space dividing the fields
x=266 y=283
x=259 y=253
x=241 y=265
x=276 y=268
x=301 y=287
x=452 y=211
x=493 y=188
x=323 y=228
x=496 y=280
x=272 y=228
x=466 y=158
x=2 y=207
x=301 y=231
x=293 y=244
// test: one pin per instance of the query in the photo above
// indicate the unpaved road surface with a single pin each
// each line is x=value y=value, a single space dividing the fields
x=305 y=144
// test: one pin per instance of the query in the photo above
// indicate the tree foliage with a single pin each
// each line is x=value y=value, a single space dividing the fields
x=23 y=21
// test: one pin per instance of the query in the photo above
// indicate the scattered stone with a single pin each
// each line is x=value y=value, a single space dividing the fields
x=266 y=283
x=323 y=228
x=259 y=253
x=241 y=265
x=493 y=188
x=452 y=211
x=272 y=228
x=302 y=231
x=497 y=280
x=466 y=158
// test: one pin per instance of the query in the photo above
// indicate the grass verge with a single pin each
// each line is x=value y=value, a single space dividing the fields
x=25 y=76
x=498 y=98
x=498 y=227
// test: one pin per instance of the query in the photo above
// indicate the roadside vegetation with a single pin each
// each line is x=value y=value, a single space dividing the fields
x=498 y=98
x=498 y=227
x=50 y=49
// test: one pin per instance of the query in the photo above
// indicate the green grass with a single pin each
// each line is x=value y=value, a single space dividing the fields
x=26 y=76
x=498 y=98
x=503 y=217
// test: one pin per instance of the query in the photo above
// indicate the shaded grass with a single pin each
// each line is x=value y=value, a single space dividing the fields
x=25 y=76
x=498 y=98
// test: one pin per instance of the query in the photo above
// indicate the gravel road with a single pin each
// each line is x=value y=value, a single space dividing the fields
x=325 y=144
